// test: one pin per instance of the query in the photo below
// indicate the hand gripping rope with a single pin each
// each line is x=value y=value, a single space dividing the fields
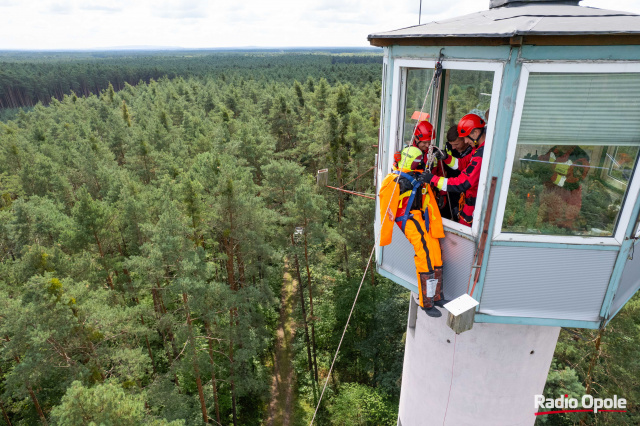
x=383 y=215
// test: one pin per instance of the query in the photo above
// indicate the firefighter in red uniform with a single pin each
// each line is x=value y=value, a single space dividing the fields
x=422 y=137
x=472 y=128
x=458 y=148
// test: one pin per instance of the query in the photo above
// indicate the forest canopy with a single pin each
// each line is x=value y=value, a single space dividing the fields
x=146 y=233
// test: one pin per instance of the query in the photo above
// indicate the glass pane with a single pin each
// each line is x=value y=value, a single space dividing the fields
x=569 y=182
x=581 y=109
x=418 y=81
x=469 y=92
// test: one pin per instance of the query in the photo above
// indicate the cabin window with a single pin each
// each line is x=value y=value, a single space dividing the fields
x=462 y=88
x=467 y=91
x=418 y=103
x=577 y=146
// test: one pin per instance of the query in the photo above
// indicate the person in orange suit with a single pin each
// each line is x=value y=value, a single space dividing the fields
x=412 y=206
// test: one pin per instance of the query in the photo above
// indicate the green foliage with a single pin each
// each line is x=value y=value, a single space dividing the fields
x=358 y=404
x=145 y=230
x=104 y=404
x=613 y=373
x=28 y=78
x=562 y=381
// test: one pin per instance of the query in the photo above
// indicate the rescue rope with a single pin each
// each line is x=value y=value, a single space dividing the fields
x=343 y=333
x=360 y=194
x=453 y=360
x=358 y=177
x=436 y=72
x=383 y=216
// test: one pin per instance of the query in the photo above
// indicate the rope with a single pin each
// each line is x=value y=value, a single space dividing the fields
x=358 y=177
x=360 y=194
x=447 y=192
x=453 y=360
x=343 y=333
x=383 y=215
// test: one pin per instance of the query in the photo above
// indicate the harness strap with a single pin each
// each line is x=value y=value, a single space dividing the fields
x=407 y=213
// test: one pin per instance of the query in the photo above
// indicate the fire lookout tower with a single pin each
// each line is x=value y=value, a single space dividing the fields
x=559 y=87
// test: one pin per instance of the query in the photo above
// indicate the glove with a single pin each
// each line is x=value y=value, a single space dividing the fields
x=440 y=154
x=425 y=177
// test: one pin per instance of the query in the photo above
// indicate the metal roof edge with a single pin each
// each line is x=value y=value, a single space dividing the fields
x=520 y=12
x=502 y=35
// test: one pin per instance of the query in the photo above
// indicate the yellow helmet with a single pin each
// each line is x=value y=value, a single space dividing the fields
x=410 y=159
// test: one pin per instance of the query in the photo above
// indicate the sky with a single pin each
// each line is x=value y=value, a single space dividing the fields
x=94 y=24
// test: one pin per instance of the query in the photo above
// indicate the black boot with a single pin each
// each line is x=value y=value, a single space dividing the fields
x=432 y=312
x=440 y=303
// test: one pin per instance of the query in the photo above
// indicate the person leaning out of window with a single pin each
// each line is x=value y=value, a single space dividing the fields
x=472 y=128
x=456 y=147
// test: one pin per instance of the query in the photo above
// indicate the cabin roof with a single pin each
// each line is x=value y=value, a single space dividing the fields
x=521 y=20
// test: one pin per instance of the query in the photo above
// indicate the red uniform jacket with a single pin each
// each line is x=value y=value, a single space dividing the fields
x=466 y=183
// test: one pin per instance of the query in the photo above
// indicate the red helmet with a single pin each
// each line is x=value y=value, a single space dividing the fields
x=424 y=131
x=469 y=123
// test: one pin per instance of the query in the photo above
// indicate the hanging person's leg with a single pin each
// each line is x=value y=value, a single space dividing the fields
x=435 y=257
x=427 y=258
x=439 y=299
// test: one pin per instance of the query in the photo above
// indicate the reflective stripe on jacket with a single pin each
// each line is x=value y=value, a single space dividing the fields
x=466 y=182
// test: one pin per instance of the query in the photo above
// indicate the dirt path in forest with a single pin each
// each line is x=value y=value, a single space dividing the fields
x=282 y=394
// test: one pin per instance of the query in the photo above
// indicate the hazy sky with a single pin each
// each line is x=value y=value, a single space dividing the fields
x=85 y=24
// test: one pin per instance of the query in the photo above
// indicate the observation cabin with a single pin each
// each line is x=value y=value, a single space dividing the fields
x=558 y=197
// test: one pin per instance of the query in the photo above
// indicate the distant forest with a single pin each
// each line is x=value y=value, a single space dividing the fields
x=166 y=257
x=28 y=78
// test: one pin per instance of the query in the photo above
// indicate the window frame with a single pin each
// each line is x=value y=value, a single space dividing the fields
x=631 y=195
x=401 y=66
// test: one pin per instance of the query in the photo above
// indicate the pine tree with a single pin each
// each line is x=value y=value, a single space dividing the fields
x=125 y=114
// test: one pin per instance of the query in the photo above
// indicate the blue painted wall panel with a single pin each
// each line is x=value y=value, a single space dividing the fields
x=546 y=283
x=575 y=53
x=630 y=282
x=397 y=257
x=457 y=255
x=452 y=52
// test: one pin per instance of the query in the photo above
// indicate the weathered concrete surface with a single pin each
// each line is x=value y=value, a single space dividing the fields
x=497 y=370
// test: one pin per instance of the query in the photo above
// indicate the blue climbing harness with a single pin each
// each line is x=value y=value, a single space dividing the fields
x=407 y=213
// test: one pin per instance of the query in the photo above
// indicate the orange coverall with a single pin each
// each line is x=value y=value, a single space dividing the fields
x=424 y=238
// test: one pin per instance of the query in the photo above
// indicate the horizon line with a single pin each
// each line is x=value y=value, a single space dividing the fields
x=178 y=48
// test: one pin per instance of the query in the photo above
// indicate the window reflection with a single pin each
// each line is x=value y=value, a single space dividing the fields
x=577 y=148
x=567 y=189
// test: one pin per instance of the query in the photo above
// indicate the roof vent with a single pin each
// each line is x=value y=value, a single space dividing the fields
x=499 y=3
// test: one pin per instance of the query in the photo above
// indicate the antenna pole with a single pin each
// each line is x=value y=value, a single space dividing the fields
x=420 y=12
